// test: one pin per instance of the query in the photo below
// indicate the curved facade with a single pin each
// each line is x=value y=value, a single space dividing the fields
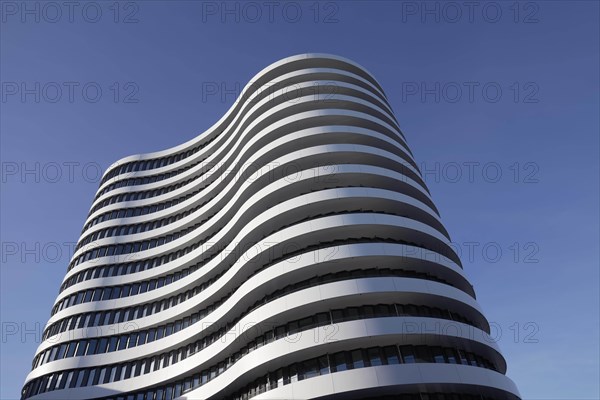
x=290 y=251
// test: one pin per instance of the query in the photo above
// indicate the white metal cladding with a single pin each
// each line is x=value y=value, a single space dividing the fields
x=300 y=210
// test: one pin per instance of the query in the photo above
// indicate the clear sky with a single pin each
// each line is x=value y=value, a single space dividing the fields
x=498 y=100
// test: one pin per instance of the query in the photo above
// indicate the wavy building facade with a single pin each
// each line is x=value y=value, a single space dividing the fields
x=290 y=251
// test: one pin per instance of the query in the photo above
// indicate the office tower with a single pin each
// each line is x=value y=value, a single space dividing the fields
x=290 y=251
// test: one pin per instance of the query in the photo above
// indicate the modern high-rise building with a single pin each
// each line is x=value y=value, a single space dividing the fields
x=291 y=251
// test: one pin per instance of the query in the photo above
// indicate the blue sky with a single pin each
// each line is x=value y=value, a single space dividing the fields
x=499 y=103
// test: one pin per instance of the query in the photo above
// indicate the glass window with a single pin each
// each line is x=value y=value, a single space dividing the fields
x=128 y=368
x=133 y=340
x=97 y=294
x=141 y=338
x=305 y=323
x=368 y=311
x=53 y=382
x=323 y=365
x=423 y=354
x=81 y=348
x=450 y=355
x=177 y=390
x=374 y=356
x=322 y=319
x=310 y=369
x=116 y=293
x=293 y=373
x=463 y=357
x=61 y=351
x=408 y=356
x=391 y=355
x=339 y=362
x=100 y=377
x=438 y=355
x=69 y=379
x=280 y=332
x=471 y=358
x=338 y=315
x=151 y=335
x=351 y=313
x=357 y=359
x=80 y=375
x=112 y=346
x=123 y=342
x=138 y=368
x=88 y=377
x=91 y=349
x=72 y=348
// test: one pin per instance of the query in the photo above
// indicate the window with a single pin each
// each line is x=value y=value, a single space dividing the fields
x=70 y=379
x=123 y=342
x=128 y=368
x=91 y=349
x=71 y=350
x=102 y=345
x=438 y=355
x=374 y=357
x=310 y=369
x=142 y=338
x=451 y=356
x=151 y=334
x=177 y=390
x=114 y=340
x=339 y=362
x=338 y=316
x=357 y=359
x=61 y=351
x=138 y=368
x=351 y=313
x=408 y=356
x=471 y=358
x=81 y=348
x=293 y=327
x=116 y=293
x=368 y=311
x=391 y=355
x=323 y=365
x=463 y=357
x=80 y=375
x=279 y=332
x=88 y=377
x=132 y=340
x=100 y=377
x=293 y=373
x=423 y=354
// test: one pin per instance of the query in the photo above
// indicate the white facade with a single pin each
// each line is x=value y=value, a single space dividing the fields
x=290 y=251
